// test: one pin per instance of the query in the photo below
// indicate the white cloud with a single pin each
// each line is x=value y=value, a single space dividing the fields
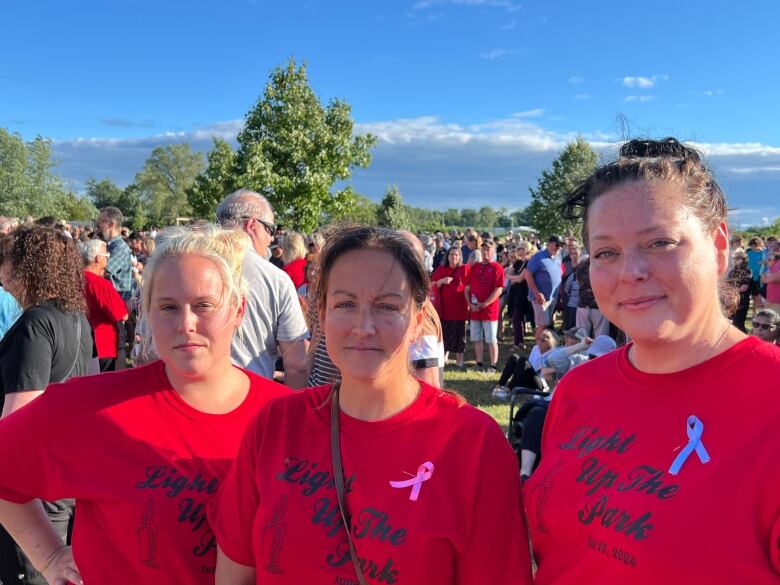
x=508 y=26
x=505 y=4
x=641 y=82
x=494 y=54
x=582 y=96
x=576 y=79
x=638 y=98
x=708 y=92
x=440 y=164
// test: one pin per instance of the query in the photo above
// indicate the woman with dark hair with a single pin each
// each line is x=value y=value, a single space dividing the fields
x=741 y=277
x=50 y=342
x=639 y=443
x=393 y=480
x=454 y=311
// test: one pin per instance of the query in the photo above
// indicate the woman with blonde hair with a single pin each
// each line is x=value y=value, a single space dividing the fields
x=294 y=258
x=144 y=450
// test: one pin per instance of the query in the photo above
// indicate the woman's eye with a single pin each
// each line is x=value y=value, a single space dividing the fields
x=385 y=307
x=345 y=305
x=662 y=243
x=168 y=308
x=604 y=254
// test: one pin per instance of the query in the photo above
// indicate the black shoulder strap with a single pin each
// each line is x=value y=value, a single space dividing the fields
x=338 y=473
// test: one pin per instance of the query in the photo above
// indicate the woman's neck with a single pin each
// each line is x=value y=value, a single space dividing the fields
x=373 y=400
x=220 y=391
x=676 y=355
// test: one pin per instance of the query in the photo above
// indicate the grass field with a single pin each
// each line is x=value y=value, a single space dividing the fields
x=476 y=387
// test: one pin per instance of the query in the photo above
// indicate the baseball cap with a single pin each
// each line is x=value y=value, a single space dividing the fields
x=555 y=240
x=575 y=333
x=601 y=345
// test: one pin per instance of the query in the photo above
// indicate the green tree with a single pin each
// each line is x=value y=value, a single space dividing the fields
x=27 y=182
x=470 y=217
x=211 y=186
x=105 y=193
x=362 y=211
x=452 y=217
x=77 y=208
x=392 y=212
x=522 y=217
x=293 y=150
x=488 y=217
x=572 y=166
x=164 y=179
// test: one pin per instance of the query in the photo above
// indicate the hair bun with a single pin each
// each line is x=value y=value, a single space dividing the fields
x=664 y=148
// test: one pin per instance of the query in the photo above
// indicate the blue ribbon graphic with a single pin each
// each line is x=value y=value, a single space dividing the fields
x=695 y=429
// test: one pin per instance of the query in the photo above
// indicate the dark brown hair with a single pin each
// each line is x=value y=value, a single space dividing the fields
x=346 y=238
x=46 y=266
x=658 y=160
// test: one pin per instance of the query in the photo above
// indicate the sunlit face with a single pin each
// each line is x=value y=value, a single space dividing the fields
x=9 y=282
x=763 y=329
x=654 y=268
x=574 y=254
x=191 y=323
x=311 y=271
x=370 y=317
x=545 y=342
x=488 y=252
x=454 y=257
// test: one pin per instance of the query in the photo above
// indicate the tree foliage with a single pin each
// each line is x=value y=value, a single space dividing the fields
x=392 y=212
x=572 y=166
x=163 y=181
x=27 y=183
x=211 y=186
x=293 y=150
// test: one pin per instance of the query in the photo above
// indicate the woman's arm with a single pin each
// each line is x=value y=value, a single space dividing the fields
x=31 y=529
x=230 y=572
x=16 y=400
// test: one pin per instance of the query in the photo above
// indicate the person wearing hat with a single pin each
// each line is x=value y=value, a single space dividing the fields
x=577 y=350
x=276 y=253
x=543 y=275
x=483 y=287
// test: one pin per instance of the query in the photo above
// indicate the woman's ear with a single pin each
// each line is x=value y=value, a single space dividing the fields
x=721 y=241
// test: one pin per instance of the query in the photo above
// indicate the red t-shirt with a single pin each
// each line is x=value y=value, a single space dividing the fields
x=453 y=303
x=603 y=506
x=484 y=279
x=104 y=308
x=773 y=288
x=278 y=510
x=141 y=463
x=296 y=270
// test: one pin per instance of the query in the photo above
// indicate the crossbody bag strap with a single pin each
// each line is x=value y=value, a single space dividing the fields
x=338 y=473
x=78 y=348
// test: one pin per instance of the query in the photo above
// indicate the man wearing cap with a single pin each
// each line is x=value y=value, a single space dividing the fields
x=276 y=253
x=543 y=275
x=483 y=287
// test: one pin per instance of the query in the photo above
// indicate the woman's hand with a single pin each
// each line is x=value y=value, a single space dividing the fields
x=444 y=281
x=61 y=569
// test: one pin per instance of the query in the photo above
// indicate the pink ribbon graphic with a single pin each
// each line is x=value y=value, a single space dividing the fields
x=424 y=473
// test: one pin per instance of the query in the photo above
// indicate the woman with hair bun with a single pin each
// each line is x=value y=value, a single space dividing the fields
x=431 y=490
x=144 y=450
x=653 y=471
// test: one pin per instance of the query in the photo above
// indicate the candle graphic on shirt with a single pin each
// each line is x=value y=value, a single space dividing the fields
x=273 y=538
x=147 y=537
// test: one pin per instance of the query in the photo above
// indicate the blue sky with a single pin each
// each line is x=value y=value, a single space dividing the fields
x=471 y=99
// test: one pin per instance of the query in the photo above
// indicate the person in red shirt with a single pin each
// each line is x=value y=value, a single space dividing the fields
x=483 y=287
x=144 y=450
x=294 y=256
x=450 y=279
x=104 y=305
x=431 y=492
x=641 y=445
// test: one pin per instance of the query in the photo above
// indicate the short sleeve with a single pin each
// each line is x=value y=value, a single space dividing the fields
x=499 y=278
x=534 y=263
x=27 y=362
x=291 y=325
x=231 y=514
x=498 y=549
x=34 y=445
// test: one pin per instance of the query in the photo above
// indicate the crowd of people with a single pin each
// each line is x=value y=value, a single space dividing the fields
x=231 y=402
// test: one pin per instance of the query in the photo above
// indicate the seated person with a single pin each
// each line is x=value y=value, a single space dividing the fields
x=533 y=412
x=525 y=372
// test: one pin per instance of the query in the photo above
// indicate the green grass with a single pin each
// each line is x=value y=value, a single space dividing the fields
x=476 y=387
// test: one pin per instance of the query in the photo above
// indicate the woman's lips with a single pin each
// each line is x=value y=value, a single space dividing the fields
x=639 y=303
